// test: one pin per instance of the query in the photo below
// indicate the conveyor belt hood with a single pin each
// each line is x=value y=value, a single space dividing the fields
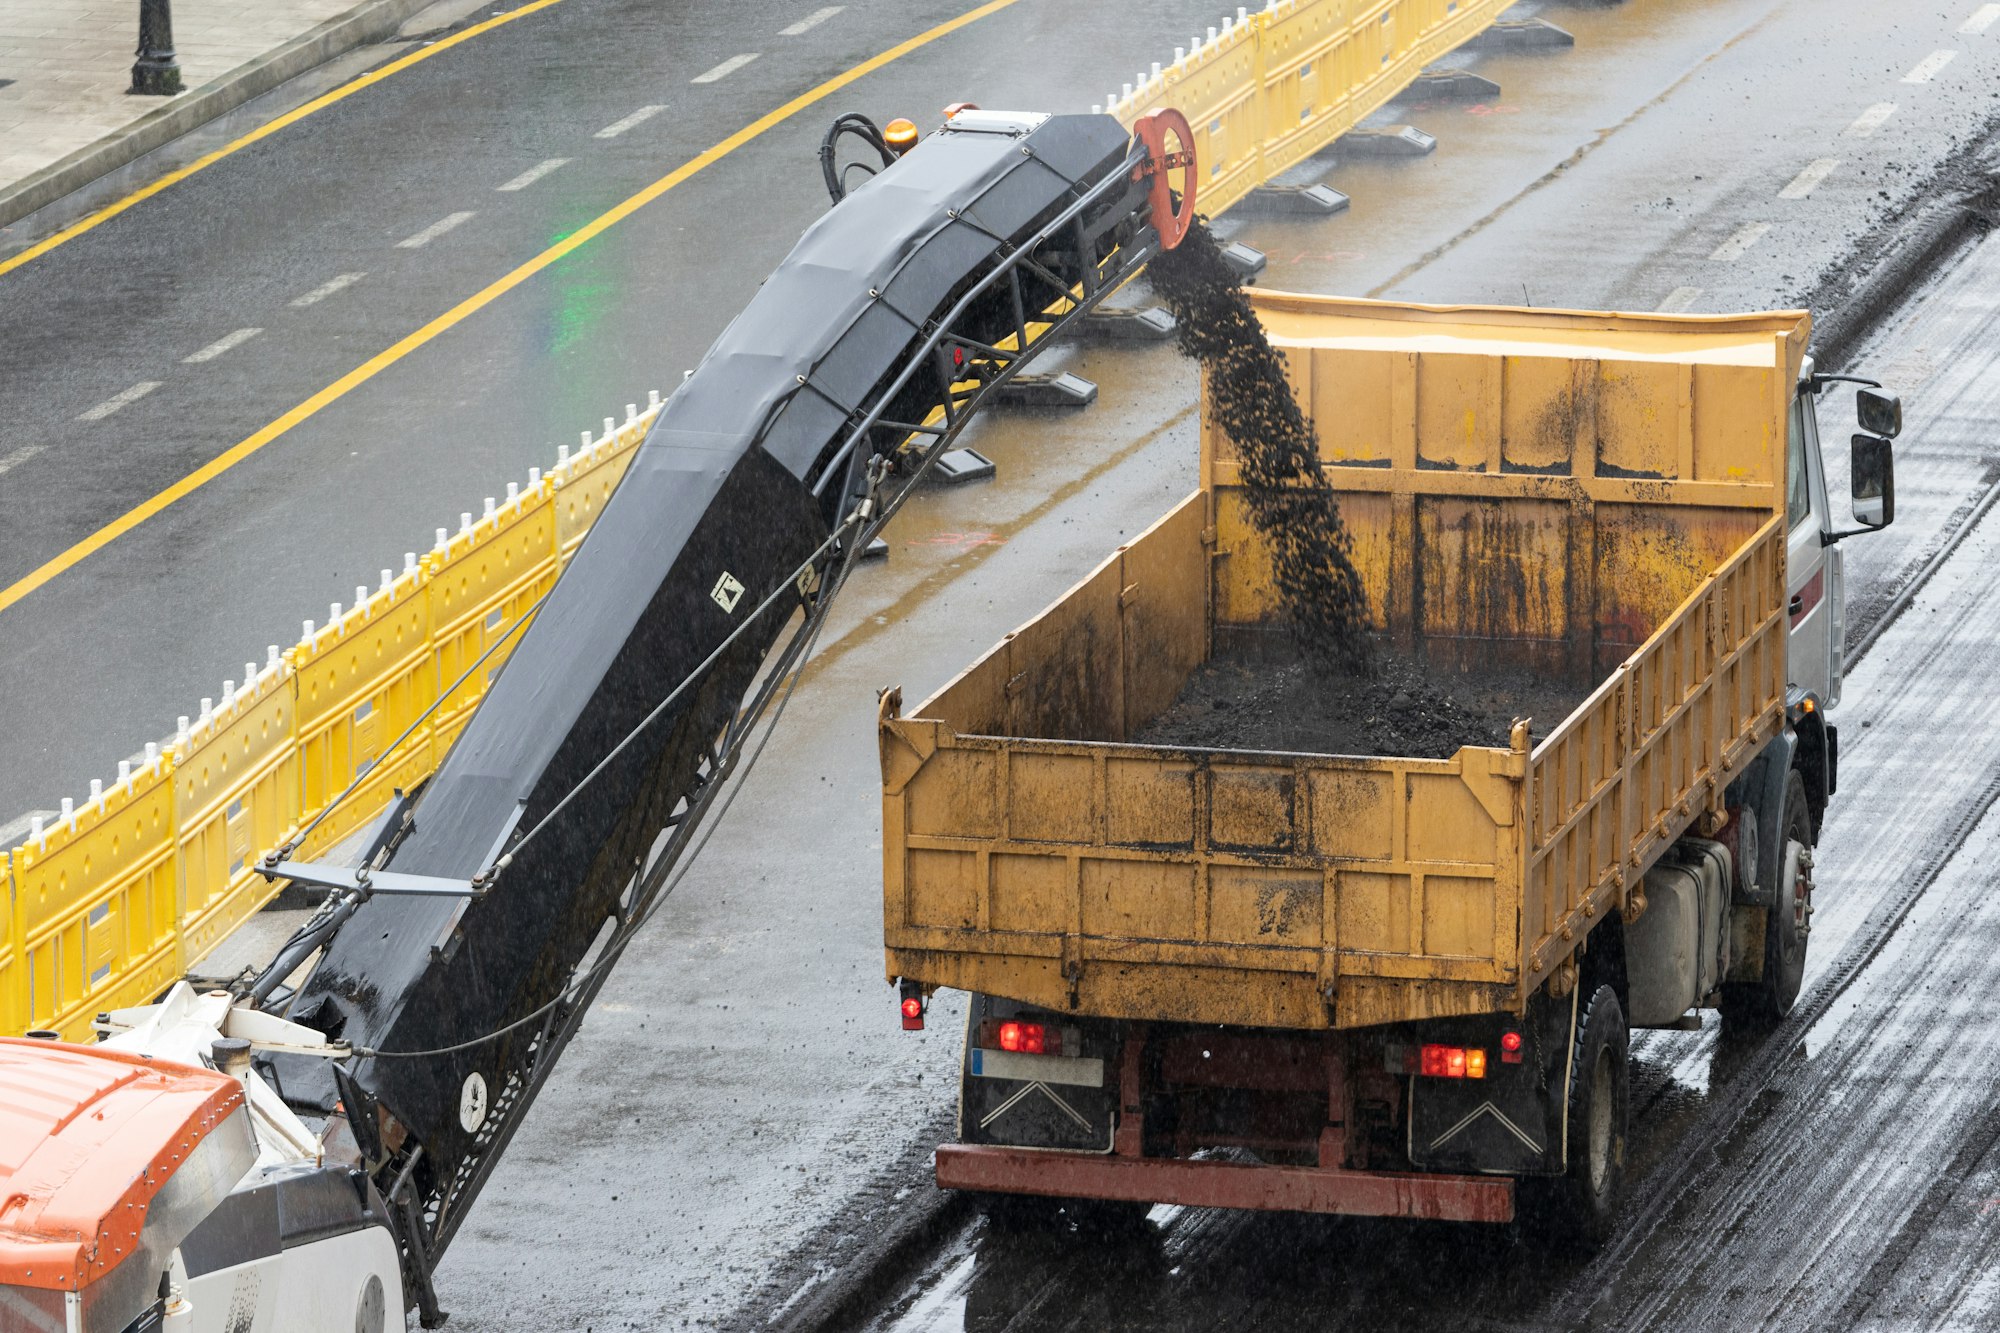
x=717 y=510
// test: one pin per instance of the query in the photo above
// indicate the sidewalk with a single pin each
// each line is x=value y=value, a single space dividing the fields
x=66 y=119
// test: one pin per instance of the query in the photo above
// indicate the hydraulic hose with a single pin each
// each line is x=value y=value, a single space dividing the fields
x=861 y=127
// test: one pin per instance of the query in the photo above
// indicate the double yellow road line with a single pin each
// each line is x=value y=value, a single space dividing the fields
x=381 y=361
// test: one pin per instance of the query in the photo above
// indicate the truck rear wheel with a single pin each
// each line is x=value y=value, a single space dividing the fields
x=1582 y=1204
x=1760 y=1004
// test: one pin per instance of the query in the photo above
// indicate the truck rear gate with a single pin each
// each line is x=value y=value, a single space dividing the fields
x=1313 y=1067
x=1198 y=1184
x=1595 y=497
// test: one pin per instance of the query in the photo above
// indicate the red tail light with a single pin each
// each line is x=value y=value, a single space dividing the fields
x=1510 y=1048
x=913 y=1007
x=1452 y=1062
x=1030 y=1038
x=1026 y=1038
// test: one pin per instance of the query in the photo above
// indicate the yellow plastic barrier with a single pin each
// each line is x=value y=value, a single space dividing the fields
x=13 y=1013
x=483 y=581
x=95 y=904
x=1270 y=88
x=361 y=681
x=118 y=897
x=236 y=794
x=585 y=482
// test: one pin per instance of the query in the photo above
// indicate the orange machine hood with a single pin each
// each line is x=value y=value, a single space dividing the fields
x=89 y=1137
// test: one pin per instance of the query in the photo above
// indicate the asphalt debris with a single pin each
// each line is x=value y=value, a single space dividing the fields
x=1291 y=501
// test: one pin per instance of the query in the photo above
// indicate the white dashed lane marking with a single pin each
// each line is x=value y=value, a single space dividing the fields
x=432 y=232
x=1741 y=240
x=1680 y=300
x=819 y=16
x=18 y=457
x=1809 y=180
x=639 y=117
x=221 y=345
x=1927 y=68
x=125 y=399
x=726 y=68
x=534 y=173
x=326 y=289
x=1870 y=120
x=1982 y=19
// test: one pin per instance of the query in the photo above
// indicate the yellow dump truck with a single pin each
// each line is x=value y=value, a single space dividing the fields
x=1393 y=984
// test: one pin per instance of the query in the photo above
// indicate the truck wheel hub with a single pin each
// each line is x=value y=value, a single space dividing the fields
x=1799 y=882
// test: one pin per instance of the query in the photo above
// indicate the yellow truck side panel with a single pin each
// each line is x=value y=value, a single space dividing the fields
x=1593 y=496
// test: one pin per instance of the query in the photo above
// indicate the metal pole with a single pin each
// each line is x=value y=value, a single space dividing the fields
x=156 y=73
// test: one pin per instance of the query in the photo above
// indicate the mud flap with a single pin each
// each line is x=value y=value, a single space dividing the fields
x=1068 y=1101
x=1509 y=1122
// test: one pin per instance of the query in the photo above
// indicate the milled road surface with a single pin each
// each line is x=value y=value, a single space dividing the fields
x=699 y=1155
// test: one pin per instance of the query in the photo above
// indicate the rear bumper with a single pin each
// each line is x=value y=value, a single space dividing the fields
x=1296 y=1189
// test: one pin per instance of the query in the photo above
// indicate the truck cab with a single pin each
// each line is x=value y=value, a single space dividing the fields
x=1779 y=805
x=1815 y=577
x=1816 y=583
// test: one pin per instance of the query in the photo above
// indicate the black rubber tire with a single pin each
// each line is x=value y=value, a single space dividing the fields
x=1757 y=1006
x=1582 y=1204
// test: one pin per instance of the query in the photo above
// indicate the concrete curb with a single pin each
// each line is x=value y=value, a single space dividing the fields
x=367 y=22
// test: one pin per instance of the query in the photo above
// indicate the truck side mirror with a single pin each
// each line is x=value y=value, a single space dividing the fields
x=1879 y=413
x=1873 y=481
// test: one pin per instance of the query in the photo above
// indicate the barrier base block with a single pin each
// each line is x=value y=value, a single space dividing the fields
x=1145 y=324
x=1521 y=35
x=1246 y=262
x=1060 y=389
x=1388 y=141
x=1316 y=201
x=1453 y=84
x=962 y=465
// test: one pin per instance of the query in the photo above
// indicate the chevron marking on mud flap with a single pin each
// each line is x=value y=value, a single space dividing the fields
x=1488 y=1108
x=1042 y=1088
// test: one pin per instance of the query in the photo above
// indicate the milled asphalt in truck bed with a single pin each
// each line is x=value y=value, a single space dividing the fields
x=742 y=1075
x=1272 y=699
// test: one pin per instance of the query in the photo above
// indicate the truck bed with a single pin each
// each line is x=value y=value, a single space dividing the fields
x=1591 y=500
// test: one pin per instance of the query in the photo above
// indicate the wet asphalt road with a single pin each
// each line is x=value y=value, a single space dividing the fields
x=699 y=1154
x=403 y=192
